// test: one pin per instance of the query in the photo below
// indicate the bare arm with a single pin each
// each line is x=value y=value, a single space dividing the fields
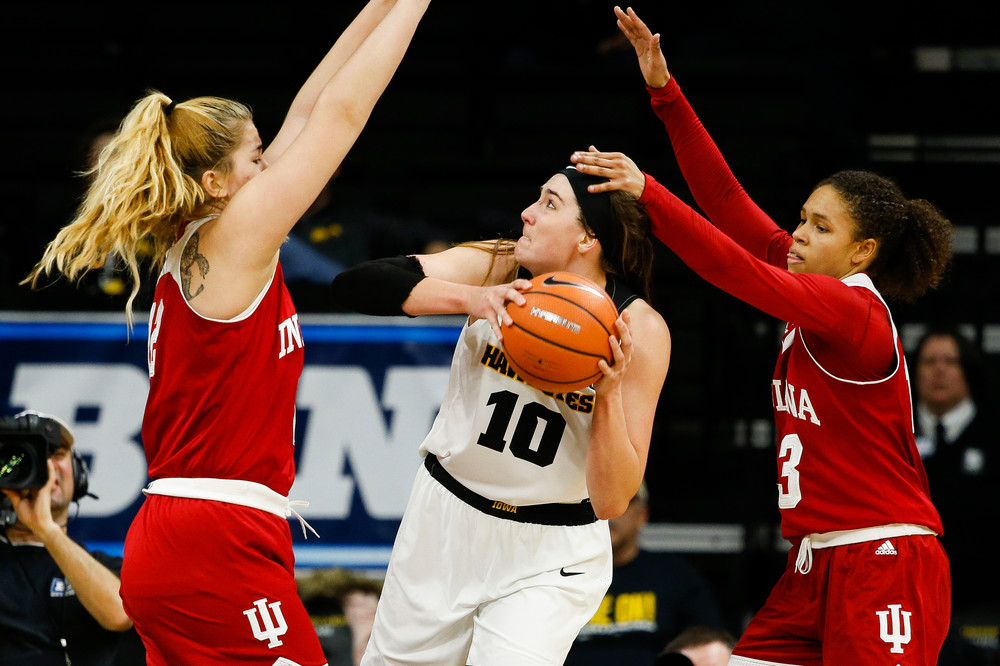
x=241 y=245
x=343 y=48
x=459 y=281
x=626 y=402
x=96 y=586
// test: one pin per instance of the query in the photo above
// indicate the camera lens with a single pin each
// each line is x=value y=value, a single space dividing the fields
x=18 y=464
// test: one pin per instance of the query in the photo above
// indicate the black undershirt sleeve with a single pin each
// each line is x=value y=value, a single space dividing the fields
x=378 y=286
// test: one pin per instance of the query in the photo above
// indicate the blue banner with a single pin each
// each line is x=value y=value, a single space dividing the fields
x=368 y=394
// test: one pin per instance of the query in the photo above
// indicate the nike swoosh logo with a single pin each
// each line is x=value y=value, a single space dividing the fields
x=551 y=282
x=563 y=572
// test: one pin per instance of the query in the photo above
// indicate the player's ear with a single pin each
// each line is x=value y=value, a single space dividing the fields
x=588 y=242
x=865 y=252
x=214 y=183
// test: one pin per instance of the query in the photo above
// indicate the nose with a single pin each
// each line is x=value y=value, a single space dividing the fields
x=798 y=236
x=526 y=215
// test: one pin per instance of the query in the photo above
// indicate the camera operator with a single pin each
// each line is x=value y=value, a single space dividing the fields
x=59 y=604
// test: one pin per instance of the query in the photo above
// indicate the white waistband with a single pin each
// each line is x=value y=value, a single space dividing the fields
x=232 y=491
x=810 y=542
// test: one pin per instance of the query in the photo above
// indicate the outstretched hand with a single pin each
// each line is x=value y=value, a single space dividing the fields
x=622 y=172
x=647 y=47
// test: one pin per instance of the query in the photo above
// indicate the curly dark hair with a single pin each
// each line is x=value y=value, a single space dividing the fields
x=914 y=237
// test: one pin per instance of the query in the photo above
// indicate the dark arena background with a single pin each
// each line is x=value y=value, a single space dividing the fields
x=490 y=100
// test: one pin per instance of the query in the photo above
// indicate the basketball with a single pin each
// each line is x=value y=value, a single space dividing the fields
x=560 y=333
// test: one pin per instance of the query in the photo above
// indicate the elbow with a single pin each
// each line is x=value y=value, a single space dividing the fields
x=608 y=508
x=117 y=622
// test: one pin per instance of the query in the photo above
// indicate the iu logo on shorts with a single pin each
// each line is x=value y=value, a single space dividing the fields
x=273 y=626
x=898 y=634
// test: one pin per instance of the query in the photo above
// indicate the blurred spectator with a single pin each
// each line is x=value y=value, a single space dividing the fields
x=701 y=645
x=341 y=605
x=653 y=596
x=952 y=403
x=333 y=235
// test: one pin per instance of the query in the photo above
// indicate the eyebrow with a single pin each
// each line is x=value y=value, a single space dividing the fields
x=819 y=215
x=549 y=190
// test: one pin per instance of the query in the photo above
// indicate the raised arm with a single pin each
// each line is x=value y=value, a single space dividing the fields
x=818 y=303
x=715 y=188
x=239 y=249
x=345 y=46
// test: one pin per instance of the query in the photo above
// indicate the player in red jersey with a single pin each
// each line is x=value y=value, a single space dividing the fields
x=867 y=579
x=208 y=569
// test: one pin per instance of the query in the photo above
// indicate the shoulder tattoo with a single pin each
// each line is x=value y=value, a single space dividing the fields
x=189 y=259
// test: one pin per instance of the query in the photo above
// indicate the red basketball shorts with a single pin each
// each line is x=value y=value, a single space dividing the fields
x=209 y=582
x=876 y=602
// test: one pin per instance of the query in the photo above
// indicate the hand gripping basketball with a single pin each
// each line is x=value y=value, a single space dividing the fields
x=560 y=333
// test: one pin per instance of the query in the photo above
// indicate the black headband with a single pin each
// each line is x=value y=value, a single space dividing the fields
x=596 y=208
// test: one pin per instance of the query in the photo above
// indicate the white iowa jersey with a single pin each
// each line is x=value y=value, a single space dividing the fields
x=504 y=439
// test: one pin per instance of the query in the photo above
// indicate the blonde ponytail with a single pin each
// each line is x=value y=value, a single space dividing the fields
x=145 y=183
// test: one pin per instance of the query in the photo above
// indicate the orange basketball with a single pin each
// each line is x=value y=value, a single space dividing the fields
x=560 y=333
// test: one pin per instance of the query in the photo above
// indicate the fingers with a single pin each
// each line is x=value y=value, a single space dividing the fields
x=621 y=344
x=638 y=22
x=52 y=476
x=497 y=309
x=633 y=27
x=600 y=162
x=625 y=335
x=520 y=285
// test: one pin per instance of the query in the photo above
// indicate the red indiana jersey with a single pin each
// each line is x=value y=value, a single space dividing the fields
x=846 y=452
x=222 y=393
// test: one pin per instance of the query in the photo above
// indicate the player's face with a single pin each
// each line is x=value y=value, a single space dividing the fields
x=941 y=381
x=824 y=241
x=246 y=161
x=552 y=231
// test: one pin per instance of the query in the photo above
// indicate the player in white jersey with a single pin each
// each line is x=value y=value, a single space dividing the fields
x=503 y=552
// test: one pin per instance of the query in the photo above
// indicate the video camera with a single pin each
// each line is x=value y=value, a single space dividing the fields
x=26 y=442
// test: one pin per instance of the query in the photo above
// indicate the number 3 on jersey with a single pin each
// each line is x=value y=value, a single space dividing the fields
x=789 y=490
x=531 y=416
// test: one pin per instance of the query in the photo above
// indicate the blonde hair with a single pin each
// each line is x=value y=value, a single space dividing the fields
x=146 y=181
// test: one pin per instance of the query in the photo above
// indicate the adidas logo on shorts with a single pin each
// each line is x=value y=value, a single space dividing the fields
x=886 y=549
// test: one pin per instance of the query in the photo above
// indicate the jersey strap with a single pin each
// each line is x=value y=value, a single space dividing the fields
x=581 y=513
